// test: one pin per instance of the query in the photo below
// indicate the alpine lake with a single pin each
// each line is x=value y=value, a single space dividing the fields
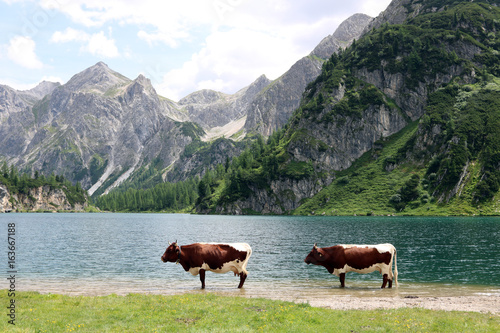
x=105 y=253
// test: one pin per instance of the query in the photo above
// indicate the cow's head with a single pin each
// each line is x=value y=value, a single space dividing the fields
x=171 y=253
x=316 y=256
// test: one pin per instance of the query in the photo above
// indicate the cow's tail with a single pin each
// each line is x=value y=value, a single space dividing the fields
x=396 y=266
x=244 y=266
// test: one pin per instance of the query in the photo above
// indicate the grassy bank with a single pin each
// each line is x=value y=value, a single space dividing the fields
x=211 y=313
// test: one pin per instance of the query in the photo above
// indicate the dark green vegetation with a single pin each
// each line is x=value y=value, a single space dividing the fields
x=21 y=183
x=210 y=313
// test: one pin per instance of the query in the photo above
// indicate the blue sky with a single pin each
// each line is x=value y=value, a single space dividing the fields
x=182 y=46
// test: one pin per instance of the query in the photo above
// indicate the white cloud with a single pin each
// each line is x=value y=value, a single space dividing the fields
x=96 y=44
x=21 y=50
x=153 y=38
x=100 y=45
x=373 y=8
x=229 y=61
x=69 y=35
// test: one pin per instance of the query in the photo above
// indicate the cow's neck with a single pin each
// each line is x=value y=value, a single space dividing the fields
x=184 y=263
x=178 y=256
x=329 y=268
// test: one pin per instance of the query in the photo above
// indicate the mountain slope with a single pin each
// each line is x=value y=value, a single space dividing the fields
x=262 y=107
x=96 y=129
x=378 y=86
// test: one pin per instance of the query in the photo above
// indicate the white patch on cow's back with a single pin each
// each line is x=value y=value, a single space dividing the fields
x=381 y=248
x=243 y=247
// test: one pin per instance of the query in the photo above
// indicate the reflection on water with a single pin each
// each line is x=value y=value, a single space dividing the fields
x=97 y=254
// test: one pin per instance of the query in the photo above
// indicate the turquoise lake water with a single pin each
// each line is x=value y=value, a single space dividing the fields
x=120 y=253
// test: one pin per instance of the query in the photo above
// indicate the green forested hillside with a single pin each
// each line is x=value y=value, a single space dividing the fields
x=446 y=161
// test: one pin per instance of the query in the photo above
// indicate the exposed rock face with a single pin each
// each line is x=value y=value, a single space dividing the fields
x=272 y=108
x=95 y=128
x=211 y=108
x=5 y=204
x=42 y=89
x=333 y=147
x=352 y=28
x=38 y=199
x=282 y=197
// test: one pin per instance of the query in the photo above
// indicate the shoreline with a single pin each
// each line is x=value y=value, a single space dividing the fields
x=482 y=300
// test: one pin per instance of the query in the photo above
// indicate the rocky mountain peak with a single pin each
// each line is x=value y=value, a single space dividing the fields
x=343 y=36
x=261 y=81
x=204 y=96
x=352 y=27
x=140 y=87
x=399 y=11
x=96 y=79
x=145 y=83
x=256 y=86
x=42 y=89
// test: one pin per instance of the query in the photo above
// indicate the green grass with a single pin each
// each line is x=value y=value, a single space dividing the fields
x=211 y=313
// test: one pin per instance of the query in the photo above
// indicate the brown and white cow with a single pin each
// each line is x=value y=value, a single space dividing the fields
x=215 y=257
x=341 y=259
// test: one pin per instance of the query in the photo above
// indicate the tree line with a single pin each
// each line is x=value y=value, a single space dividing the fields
x=162 y=197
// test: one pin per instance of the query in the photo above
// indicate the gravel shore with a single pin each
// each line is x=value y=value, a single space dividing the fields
x=483 y=304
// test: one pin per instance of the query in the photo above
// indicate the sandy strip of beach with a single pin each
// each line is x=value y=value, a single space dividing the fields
x=483 y=304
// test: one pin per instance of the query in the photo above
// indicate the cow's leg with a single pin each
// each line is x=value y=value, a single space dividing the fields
x=202 y=278
x=342 y=280
x=390 y=284
x=384 y=283
x=243 y=277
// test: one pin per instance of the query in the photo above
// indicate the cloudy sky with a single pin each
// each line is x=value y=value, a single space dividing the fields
x=182 y=45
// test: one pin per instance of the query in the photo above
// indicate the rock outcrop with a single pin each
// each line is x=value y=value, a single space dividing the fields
x=38 y=199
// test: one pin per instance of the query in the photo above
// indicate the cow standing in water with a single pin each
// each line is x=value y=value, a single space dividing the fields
x=340 y=259
x=219 y=258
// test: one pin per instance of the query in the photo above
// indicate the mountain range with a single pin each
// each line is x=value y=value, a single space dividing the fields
x=100 y=127
x=396 y=114
x=405 y=120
